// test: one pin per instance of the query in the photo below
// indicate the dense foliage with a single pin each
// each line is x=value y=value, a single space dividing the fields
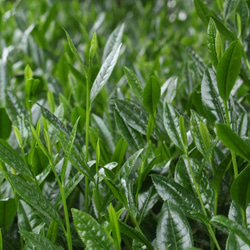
x=124 y=124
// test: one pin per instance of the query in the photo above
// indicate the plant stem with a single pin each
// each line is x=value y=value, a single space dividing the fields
x=88 y=110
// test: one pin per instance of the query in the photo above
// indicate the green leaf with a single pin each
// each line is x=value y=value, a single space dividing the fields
x=127 y=167
x=27 y=217
x=195 y=122
x=115 y=227
x=133 y=82
x=92 y=234
x=180 y=196
x=93 y=47
x=132 y=136
x=8 y=212
x=134 y=234
x=77 y=159
x=39 y=241
x=169 y=88
x=202 y=11
x=73 y=48
x=232 y=141
x=52 y=231
x=120 y=151
x=171 y=124
x=151 y=95
x=113 y=41
x=229 y=8
x=212 y=103
x=173 y=229
x=105 y=72
x=5 y=124
x=29 y=192
x=134 y=115
x=220 y=220
x=243 y=11
x=211 y=41
x=183 y=131
x=1 y=240
x=240 y=189
x=228 y=69
x=9 y=156
x=68 y=150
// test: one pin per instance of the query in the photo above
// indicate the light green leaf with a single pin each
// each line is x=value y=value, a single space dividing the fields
x=240 y=189
x=73 y=48
x=115 y=227
x=93 y=47
x=92 y=234
x=151 y=95
x=173 y=229
x=212 y=103
x=29 y=192
x=133 y=82
x=228 y=69
x=220 y=220
x=211 y=41
x=169 y=88
x=232 y=141
x=105 y=72
x=39 y=241
x=113 y=41
x=9 y=156
x=171 y=124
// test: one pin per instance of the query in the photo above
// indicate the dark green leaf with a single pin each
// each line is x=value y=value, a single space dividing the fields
x=5 y=124
x=8 y=212
x=29 y=192
x=115 y=227
x=228 y=69
x=39 y=241
x=132 y=136
x=240 y=189
x=232 y=141
x=134 y=234
x=151 y=95
x=9 y=156
x=202 y=11
x=243 y=11
x=173 y=229
x=180 y=196
x=92 y=234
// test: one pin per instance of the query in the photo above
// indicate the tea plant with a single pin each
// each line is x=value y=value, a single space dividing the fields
x=133 y=140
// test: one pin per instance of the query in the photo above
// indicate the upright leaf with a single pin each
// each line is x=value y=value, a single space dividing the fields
x=173 y=229
x=105 y=72
x=202 y=11
x=133 y=82
x=169 y=88
x=171 y=124
x=113 y=41
x=212 y=103
x=228 y=69
x=240 y=189
x=92 y=234
x=115 y=227
x=229 y=8
x=211 y=42
x=232 y=141
x=151 y=95
x=243 y=11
